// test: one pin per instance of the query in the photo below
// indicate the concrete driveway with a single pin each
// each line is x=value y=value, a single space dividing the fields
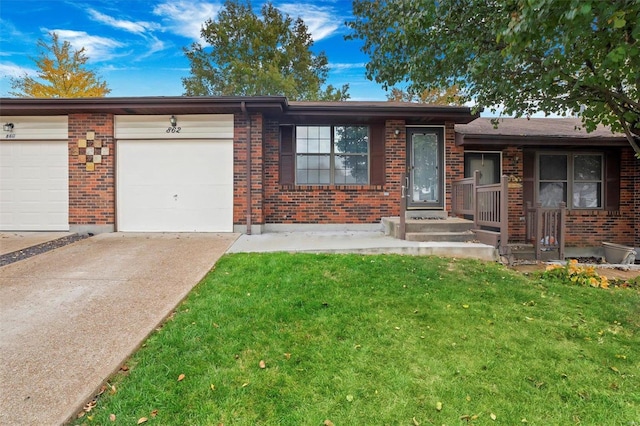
x=14 y=241
x=71 y=316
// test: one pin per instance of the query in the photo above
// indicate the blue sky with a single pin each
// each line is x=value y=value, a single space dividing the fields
x=136 y=46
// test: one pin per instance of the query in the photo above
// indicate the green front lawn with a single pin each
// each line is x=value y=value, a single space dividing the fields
x=299 y=339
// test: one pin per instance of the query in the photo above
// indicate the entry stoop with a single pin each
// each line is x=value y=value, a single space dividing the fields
x=424 y=229
x=527 y=252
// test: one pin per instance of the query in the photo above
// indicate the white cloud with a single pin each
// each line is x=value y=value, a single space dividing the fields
x=320 y=21
x=185 y=17
x=346 y=67
x=142 y=28
x=13 y=70
x=96 y=48
x=136 y=27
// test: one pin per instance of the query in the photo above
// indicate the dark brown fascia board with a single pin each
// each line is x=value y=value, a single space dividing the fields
x=506 y=140
x=276 y=106
x=380 y=110
x=139 y=105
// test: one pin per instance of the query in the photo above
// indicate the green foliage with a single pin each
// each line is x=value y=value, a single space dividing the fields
x=575 y=274
x=448 y=96
x=63 y=75
x=565 y=57
x=297 y=339
x=250 y=55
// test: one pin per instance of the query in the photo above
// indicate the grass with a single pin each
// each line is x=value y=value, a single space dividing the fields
x=383 y=340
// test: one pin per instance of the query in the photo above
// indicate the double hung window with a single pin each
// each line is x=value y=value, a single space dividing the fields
x=332 y=155
x=576 y=179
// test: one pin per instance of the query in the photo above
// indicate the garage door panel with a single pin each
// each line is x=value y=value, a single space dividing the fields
x=175 y=186
x=34 y=185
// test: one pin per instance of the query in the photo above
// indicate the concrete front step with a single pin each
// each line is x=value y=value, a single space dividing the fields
x=437 y=229
x=461 y=237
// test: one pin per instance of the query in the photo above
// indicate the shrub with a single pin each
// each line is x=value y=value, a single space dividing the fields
x=576 y=274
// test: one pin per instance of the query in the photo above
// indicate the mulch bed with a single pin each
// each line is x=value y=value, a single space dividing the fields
x=28 y=252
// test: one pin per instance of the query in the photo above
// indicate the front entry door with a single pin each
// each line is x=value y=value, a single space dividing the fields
x=426 y=166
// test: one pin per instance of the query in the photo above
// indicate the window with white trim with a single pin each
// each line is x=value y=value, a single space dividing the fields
x=332 y=155
x=575 y=178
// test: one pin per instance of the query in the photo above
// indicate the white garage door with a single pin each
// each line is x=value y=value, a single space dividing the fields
x=34 y=185
x=175 y=185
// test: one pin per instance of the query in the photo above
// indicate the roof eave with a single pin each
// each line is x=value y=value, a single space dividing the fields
x=535 y=140
x=135 y=105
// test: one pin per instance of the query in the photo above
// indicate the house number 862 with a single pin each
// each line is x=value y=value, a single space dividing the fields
x=174 y=129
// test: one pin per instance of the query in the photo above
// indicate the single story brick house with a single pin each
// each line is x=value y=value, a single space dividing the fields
x=261 y=164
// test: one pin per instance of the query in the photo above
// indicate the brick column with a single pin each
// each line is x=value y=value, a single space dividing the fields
x=241 y=174
x=512 y=166
x=454 y=162
x=91 y=173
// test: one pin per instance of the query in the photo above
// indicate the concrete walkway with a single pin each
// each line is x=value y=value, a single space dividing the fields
x=356 y=242
x=69 y=317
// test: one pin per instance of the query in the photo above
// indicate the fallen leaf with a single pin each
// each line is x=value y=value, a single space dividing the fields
x=468 y=398
x=90 y=405
x=474 y=417
x=142 y=420
x=154 y=413
x=438 y=406
x=415 y=422
x=328 y=423
x=213 y=387
x=113 y=390
x=181 y=377
x=287 y=355
x=465 y=306
x=124 y=368
x=615 y=369
x=350 y=398
x=263 y=364
x=245 y=384
x=112 y=417
x=493 y=416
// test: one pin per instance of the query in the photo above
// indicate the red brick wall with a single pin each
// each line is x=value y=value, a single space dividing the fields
x=240 y=176
x=588 y=228
x=634 y=164
x=585 y=228
x=91 y=193
x=512 y=168
x=454 y=162
x=333 y=204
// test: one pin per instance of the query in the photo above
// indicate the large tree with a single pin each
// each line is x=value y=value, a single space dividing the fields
x=61 y=74
x=564 y=57
x=253 y=55
x=447 y=96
